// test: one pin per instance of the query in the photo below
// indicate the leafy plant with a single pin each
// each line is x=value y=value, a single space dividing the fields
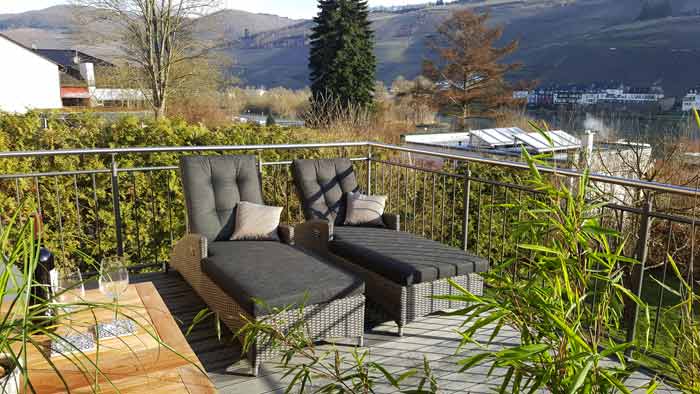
x=564 y=294
x=684 y=359
x=317 y=370
x=681 y=323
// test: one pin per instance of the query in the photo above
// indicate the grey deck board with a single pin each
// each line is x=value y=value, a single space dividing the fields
x=433 y=337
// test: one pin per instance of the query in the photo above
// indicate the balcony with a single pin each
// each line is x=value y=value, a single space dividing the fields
x=130 y=201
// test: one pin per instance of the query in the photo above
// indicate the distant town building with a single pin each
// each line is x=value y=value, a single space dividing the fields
x=28 y=80
x=590 y=95
x=691 y=100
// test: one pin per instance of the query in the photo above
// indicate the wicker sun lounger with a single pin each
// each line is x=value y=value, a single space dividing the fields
x=228 y=275
x=401 y=271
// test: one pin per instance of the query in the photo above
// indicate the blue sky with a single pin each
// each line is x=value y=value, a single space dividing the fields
x=289 y=8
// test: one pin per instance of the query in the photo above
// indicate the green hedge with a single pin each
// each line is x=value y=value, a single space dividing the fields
x=77 y=209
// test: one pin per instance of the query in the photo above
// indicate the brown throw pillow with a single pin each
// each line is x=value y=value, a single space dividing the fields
x=256 y=222
x=364 y=210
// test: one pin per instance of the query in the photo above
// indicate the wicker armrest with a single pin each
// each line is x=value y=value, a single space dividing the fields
x=313 y=235
x=392 y=221
x=286 y=233
x=191 y=249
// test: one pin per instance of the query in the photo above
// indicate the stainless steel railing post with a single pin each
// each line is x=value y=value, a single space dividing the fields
x=115 y=206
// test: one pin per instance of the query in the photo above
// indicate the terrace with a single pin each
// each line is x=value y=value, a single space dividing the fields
x=130 y=201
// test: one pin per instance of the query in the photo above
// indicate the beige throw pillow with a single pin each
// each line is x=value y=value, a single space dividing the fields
x=364 y=210
x=256 y=222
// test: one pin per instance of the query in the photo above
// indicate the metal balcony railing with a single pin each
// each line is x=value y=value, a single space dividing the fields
x=129 y=201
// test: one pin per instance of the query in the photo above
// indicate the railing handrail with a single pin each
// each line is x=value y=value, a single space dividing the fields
x=615 y=180
x=175 y=149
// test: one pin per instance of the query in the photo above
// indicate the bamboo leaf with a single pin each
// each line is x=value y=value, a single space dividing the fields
x=581 y=376
x=569 y=332
x=540 y=248
x=615 y=382
x=474 y=360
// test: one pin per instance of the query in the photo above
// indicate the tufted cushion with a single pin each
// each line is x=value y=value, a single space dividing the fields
x=213 y=186
x=323 y=185
x=404 y=258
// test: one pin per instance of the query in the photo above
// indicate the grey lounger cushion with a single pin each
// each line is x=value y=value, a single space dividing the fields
x=404 y=258
x=276 y=273
x=213 y=187
x=322 y=185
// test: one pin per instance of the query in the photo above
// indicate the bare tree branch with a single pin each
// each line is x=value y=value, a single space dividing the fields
x=155 y=35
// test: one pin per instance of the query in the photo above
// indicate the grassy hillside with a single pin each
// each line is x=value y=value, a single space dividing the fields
x=232 y=24
x=56 y=27
x=55 y=18
x=560 y=41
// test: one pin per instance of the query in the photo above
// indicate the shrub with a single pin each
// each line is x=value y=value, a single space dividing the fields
x=564 y=294
x=78 y=207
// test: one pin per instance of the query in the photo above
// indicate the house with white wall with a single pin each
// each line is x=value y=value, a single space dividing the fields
x=27 y=79
x=81 y=86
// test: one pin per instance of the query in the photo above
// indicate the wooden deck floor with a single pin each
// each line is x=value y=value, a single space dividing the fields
x=432 y=337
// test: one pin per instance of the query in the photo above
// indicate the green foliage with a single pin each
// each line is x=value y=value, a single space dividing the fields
x=684 y=357
x=564 y=294
x=78 y=208
x=341 y=60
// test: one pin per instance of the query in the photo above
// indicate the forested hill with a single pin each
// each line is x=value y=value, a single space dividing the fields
x=639 y=42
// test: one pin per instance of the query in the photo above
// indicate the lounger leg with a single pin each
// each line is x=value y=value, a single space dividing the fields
x=254 y=360
x=255 y=368
x=400 y=329
x=360 y=341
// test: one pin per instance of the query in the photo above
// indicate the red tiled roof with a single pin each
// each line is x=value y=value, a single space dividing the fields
x=74 y=92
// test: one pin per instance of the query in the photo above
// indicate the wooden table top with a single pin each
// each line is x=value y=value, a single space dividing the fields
x=134 y=363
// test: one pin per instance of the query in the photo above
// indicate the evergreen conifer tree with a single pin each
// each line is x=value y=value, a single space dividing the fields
x=341 y=60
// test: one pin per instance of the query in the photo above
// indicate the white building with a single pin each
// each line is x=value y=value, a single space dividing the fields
x=591 y=95
x=499 y=142
x=611 y=158
x=116 y=97
x=27 y=79
x=691 y=100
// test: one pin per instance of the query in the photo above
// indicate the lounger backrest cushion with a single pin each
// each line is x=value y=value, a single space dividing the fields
x=322 y=186
x=213 y=186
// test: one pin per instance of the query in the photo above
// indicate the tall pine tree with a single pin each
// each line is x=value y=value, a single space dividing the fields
x=341 y=60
